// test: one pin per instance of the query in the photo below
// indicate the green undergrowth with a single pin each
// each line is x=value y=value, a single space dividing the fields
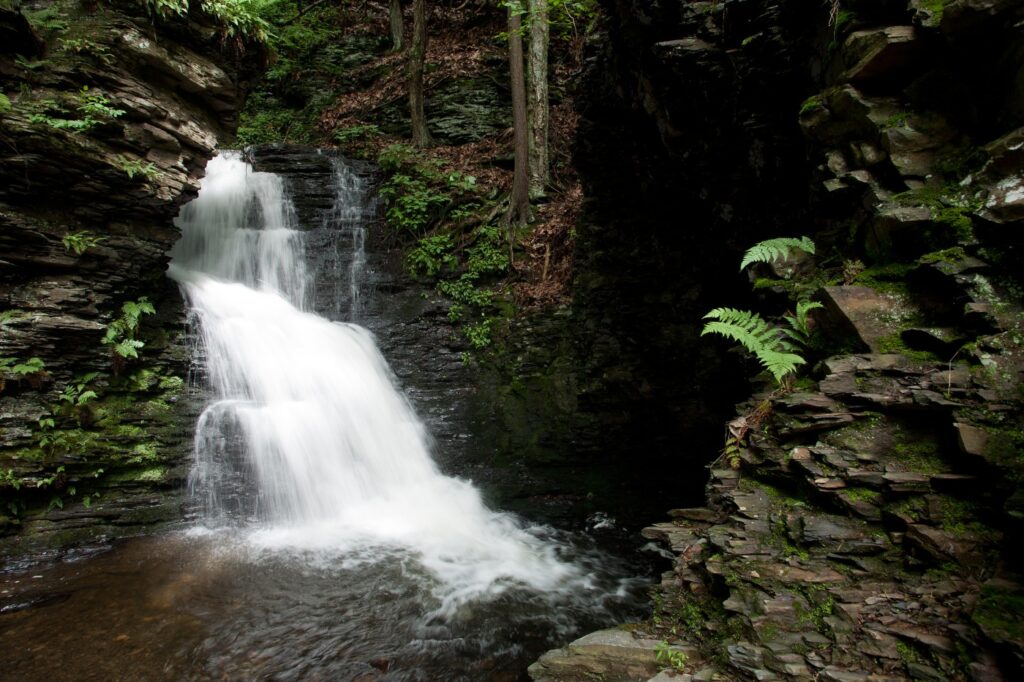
x=89 y=438
x=314 y=57
x=442 y=218
x=700 y=619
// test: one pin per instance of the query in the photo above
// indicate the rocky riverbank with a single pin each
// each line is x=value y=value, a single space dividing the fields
x=107 y=119
x=859 y=524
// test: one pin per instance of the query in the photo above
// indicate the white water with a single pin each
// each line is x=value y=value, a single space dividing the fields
x=308 y=445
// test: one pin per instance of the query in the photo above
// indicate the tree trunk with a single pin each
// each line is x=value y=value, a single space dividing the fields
x=397 y=29
x=537 y=95
x=417 y=55
x=519 y=202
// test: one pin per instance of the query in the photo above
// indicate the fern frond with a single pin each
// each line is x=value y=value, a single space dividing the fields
x=745 y=327
x=802 y=309
x=752 y=332
x=779 y=364
x=775 y=249
x=799 y=330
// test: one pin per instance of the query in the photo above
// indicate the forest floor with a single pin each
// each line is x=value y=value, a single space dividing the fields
x=336 y=81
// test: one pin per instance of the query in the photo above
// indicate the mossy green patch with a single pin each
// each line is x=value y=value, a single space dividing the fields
x=889 y=278
x=954 y=254
x=152 y=475
x=862 y=495
x=893 y=343
x=1000 y=612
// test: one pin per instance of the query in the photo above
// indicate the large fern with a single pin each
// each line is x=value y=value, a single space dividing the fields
x=757 y=336
x=775 y=249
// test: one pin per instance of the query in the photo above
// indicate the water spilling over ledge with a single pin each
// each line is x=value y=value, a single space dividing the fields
x=329 y=541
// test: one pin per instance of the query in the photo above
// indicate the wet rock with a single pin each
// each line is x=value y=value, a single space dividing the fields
x=1003 y=179
x=886 y=53
x=608 y=654
x=972 y=440
x=866 y=313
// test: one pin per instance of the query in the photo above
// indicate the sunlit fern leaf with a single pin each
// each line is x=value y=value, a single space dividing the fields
x=779 y=364
x=746 y=328
x=771 y=250
x=757 y=336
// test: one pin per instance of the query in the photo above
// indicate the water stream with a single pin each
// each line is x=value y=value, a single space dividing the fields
x=329 y=545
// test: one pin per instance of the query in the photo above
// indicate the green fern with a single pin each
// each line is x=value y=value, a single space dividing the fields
x=799 y=330
x=775 y=249
x=120 y=334
x=757 y=336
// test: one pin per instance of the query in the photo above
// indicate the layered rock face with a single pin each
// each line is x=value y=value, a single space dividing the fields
x=861 y=524
x=108 y=118
x=687 y=133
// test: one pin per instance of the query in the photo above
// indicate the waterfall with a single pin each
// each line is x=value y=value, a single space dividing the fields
x=307 y=444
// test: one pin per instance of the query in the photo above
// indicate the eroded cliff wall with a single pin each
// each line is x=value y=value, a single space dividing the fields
x=861 y=521
x=108 y=116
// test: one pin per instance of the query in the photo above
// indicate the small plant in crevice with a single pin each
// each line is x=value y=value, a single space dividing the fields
x=80 y=242
x=91 y=108
x=32 y=370
x=665 y=653
x=121 y=332
x=767 y=343
x=133 y=167
x=87 y=48
x=76 y=396
x=777 y=348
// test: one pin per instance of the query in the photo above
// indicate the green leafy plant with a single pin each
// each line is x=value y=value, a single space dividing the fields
x=241 y=18
x=667 y=654
x=93 y=109
x=76 y=393
x=430 y=256
x=5 y=104
x=83 y=46
x=32 y=370
x=764 y=341
x=772 y=250
x=121 y=333
x=80 y=242
x=479 y=334
x=411 y=202
x=355 y=133
x=133 y=167
x=30 y=65
x=775 y=347
x=50 y=19
x=799 y=329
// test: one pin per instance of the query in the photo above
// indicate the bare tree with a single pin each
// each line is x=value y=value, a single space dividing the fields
x=397 y=29
x=417 y=56
x=519 y=202
x=537 y=96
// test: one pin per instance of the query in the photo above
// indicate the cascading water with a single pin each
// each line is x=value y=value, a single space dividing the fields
x=331 y=546
x=308 y=446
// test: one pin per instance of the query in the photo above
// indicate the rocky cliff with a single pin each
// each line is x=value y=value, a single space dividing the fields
x=108 y=116
x=860 y=521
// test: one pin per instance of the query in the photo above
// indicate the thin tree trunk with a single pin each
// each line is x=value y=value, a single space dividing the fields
x=519 y=202
x=397 y=29
x=417 y=55
x=537 y=95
